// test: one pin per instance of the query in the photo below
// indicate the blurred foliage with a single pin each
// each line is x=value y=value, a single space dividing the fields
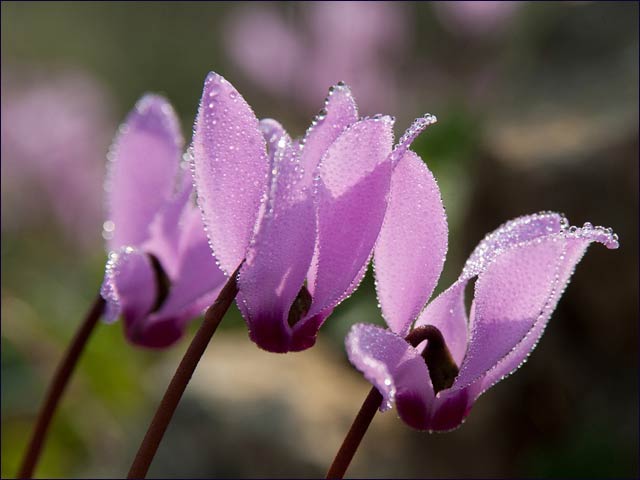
x=539 y=113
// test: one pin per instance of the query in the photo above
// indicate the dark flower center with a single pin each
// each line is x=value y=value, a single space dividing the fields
x=442 y=368
x=300 y=306
x=163 y=283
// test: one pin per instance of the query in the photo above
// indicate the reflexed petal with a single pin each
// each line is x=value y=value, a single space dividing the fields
x=274 y=274
x=230 y=169
x=195 y=286
x=199 y=279
x=415 y=129
x=279 y=257
x=339 y=112
x=447 y=312
x=129 y=286
x=273 y=132
x=166 y=229
x=395 y=368
x=130 y=290
x=412 y=245
x=356 y=152
x=348 y=227
x=576 y=248
x=144 y=160
x=516 y=294
x=512 y=233
x=351 y=200
x=510 y=295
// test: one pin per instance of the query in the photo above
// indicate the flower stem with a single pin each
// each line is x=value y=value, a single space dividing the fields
x=57 y=388
x=355 y=435
x=178 y=385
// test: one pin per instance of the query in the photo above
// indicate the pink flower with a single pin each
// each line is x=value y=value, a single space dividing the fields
x=356 y=42
x=522 y=269
x=54 y=138
x=303 y=215
x=475 y=18
x=160 y=272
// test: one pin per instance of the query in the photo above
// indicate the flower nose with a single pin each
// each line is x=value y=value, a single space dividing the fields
x=300 y=306
x=163 y=282
x=442 y=368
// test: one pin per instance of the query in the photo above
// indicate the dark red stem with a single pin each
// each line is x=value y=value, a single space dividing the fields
x=442 y=371
x=356 y=433
x=178 y=385
x=57 y=388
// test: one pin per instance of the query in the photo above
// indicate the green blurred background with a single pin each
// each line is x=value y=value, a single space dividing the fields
x=538 y=110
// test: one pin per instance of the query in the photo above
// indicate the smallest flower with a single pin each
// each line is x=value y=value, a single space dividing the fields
x=160 y=272
x=435 y=372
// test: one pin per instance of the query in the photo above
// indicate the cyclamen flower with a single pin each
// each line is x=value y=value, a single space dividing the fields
x=53 y=141
x=522 y=269
x=476 y=18
x=303 y=215
x=359 y=42
x=160 y=272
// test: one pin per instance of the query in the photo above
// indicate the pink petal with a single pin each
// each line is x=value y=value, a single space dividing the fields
x=400 y=374
x=273 y=132
x=339 y=112
x=198 y=279
x=514 y=232
x=395 y=368
x=415 y=129
x=450 y=409
x=143 y=164
x=230 y=169
x=274 y=273
x=130 y=282
x=447 y=312
x=279 y=256
x=165 y=229
x=412 y=245
x=577 y=243
x=515 y=294
x=509 y=296
x=305 y=332
x=351 y=200
x=355 y=153
x=130 y=290
x=129 y=285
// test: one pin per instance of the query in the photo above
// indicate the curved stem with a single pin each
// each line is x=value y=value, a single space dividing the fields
x=442 y=371
x=355 y=435
x=57 y=388
x=178 y=385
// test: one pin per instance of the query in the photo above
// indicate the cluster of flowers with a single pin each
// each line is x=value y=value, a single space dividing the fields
x=300 y=219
